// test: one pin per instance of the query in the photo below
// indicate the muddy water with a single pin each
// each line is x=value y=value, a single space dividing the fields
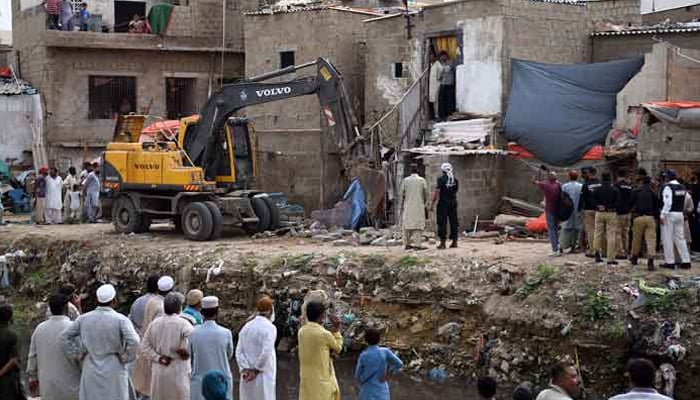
x=403 y=387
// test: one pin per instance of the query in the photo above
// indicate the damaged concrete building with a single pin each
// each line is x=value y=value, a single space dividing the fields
x=86 y=78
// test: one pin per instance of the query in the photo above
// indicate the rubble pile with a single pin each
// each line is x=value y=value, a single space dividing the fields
x=446 y=317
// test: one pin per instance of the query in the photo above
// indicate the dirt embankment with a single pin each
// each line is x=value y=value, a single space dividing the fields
x=504 y=309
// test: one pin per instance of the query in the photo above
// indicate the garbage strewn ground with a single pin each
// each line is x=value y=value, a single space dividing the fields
x=488 y=306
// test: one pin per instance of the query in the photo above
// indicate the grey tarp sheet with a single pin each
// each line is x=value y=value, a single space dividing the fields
x=685 y=117
x=558 y=112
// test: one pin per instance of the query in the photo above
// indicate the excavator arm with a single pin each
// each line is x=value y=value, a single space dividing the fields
x=327 y=84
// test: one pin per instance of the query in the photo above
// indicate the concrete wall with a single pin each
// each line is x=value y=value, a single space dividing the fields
x=481 y=184
x=335 y=35
x=683 y=75
x=16 y=132
x=481 y=73
x=66 y=87
x=493 y=32
x=664 y=141
x=621 y=12
x=606 y=48
x=289 y=164
x=648 y=85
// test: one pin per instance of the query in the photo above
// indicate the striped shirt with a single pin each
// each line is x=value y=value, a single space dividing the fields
x=641 y=394
x=53 y=7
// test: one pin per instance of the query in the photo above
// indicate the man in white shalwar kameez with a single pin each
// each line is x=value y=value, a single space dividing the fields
x=141 y=374
x=107 y=341
x=54 y=197
x=165 y=346
x=255 y=354
x=56 y=375
x=414 y=192
x=68 y=183
x=92 y=195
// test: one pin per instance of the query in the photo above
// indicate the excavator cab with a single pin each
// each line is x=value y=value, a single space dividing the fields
x=232 y=152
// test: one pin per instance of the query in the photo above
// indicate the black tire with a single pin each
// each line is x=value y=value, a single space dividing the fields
x=145 y=224
x=177 y=221
x=197 y=221
x=125 y=218
x=263 y=214
x=274 y=213
x=217 y=219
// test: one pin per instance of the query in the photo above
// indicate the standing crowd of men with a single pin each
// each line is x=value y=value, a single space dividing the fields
x=55 y=200
x=170 y=347
x=607 y=210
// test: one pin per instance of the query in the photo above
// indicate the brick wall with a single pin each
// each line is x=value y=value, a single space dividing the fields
x=68 y=73
x=480 y=184
x=622 y=12
x=664 y=141
x=606 y=48
x=332 y=34
x=289 y=164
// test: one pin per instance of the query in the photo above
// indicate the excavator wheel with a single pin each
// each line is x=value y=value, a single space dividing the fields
x=217 y=219
x=274 y=213
x=197 y=221
x=125 y=217
x=263 y=214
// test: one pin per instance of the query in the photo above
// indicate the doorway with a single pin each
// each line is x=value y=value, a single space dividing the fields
x=124 y=12
x=179 y=95
x=444 y=54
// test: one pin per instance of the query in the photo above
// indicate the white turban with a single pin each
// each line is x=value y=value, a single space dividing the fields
x=105 y=294
x=447 y=169
x=165 y=283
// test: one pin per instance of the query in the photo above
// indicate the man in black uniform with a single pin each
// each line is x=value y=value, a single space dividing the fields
x=587 y=205
x=623 y=214
x=445 y=195
x=607 y=200
x=645 y=210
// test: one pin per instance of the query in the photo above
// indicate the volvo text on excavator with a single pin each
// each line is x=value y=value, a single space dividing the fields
x=201 y=179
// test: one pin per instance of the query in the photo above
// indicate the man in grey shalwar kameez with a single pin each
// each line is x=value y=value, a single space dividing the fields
x=108 y=341
x=92 y=195
x=571 y=228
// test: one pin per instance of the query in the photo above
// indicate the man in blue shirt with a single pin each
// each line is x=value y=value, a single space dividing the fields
x=375 y=365
x=211 y=348
x=194 y=305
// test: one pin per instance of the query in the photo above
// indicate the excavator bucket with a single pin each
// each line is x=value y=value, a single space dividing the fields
x=128 y=128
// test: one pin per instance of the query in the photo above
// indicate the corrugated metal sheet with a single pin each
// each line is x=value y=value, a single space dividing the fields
x=296 y=9
x=8 y=87
x=647 y=31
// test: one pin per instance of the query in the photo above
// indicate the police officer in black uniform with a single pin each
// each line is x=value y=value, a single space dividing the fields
x=587 y=206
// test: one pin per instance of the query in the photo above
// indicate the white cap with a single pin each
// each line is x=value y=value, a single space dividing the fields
x=165 y=283
x=210 y=302
x=106 y=293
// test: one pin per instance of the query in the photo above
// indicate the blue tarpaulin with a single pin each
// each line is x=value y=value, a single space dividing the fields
x=558 y=112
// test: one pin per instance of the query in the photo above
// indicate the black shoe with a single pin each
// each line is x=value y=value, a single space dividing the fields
x=590 y=255
x=442 y=245
x=454 y=244
x=650 y=264
x=685 y=266
x=408 y=248
x=621 y=257
x=612 y=262
x=668 y=266
x=598 y=258
x=633 y=260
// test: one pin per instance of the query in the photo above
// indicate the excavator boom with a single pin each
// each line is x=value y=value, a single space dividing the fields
x=327 y=84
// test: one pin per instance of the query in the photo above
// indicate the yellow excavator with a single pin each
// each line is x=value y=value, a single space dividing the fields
x=201 y=179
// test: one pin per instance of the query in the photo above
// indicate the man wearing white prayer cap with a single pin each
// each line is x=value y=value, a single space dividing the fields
x=106 y=341
x=211 y=348
x=445 y=195
x=141 y=375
